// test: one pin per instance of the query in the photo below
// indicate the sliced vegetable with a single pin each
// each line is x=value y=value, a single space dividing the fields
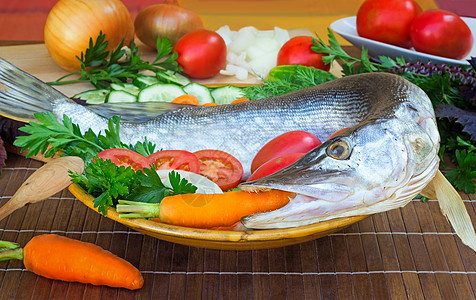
x=93 y=96
x=120 y=97
x=274 y=165
x=338 y=132
x=239 y=100
x=126 y=87
x=206 y=210
x=186 y=99
x=175 y=160
x=144 y=81
x=169 y=76
x=220 y=167
x=200 y=91
x=226 y=94
x=61 y=258
x=160 y=92
x=203 y=184
x=125 y=157
x=297 y=141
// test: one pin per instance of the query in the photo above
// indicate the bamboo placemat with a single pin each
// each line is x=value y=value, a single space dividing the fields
x=408 y=253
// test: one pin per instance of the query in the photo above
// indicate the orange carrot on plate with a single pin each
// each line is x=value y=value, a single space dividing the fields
x=61 y=258
x=205 y=210
x=239 y=100
x=186 y=99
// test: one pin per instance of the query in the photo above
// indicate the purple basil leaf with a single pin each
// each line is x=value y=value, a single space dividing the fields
x=464 y=117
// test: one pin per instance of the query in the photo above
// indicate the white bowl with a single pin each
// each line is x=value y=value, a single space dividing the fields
x=346 y=27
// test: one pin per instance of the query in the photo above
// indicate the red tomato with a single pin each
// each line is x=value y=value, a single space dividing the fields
x=338 y=132
x=126 y=158
x=441 y=33
x=387 y=21
x=297 y=51
x=274 y=165
x=175 y=160
x=298 y=141
x=220 y=167
x=201 y=53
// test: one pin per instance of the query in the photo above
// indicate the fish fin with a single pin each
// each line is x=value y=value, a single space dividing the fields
x=22 y=95
x=136 y=112
x=453 y=209
x=429 y=191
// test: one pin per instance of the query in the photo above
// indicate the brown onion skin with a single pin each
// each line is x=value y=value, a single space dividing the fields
x=165 y=20
x=71 y=23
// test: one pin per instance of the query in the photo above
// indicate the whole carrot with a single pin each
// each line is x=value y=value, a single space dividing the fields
x=205 y=210
x=61 y=258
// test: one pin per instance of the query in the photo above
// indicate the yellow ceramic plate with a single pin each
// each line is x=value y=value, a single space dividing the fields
x=228 y=240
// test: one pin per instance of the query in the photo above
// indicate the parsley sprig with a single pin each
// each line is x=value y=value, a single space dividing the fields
x=109 y=183
x=103 y=179
x=101 y=67
x=49 y=136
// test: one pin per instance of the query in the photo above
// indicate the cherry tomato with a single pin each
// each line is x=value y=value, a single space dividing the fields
x=441 y=33
x=221 y=167
x=201 y=53
x=297 y=51
x=126 y=158
x=297 y=141
x=338 y=132
x=175 y=160
x=274 y=165
x=387 y=21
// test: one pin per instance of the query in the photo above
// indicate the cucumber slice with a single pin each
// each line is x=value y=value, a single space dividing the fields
x=126 y=87
x=165 y=92
x=169 y=76
x=93 y=96
x=200 y=91
x=144 y=81
x=226 y=94
x=120 y=97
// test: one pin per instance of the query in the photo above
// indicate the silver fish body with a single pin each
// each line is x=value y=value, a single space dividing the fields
x=386 y=157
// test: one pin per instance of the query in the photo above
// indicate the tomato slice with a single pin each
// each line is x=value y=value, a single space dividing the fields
x=125 y=157
x=175 y=160
x=274 y=165
x=221 y=167
x=338 y=132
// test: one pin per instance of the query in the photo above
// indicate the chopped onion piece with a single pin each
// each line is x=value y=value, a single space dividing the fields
x=250 y=50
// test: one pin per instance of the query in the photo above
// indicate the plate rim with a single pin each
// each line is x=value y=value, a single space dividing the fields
x=220 y=239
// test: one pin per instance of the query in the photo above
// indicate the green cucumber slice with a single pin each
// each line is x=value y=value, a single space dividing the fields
x=160 y=92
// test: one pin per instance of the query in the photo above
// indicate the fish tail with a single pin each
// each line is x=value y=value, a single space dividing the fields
x=22 y=95
x=453 y=209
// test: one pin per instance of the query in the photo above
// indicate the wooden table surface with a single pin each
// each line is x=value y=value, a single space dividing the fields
x=407 y=253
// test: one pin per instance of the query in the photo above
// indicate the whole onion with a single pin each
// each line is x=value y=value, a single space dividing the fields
x=165 y=20
x=71 y=23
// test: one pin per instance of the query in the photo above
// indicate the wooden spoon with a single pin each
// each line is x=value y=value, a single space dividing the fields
x=48 y=180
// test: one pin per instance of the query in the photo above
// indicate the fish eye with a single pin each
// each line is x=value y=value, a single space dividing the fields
x=339 y=149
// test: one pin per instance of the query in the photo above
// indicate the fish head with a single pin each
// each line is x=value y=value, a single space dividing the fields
x=357 y=169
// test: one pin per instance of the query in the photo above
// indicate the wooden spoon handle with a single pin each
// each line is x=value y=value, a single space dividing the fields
x=48 y=180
